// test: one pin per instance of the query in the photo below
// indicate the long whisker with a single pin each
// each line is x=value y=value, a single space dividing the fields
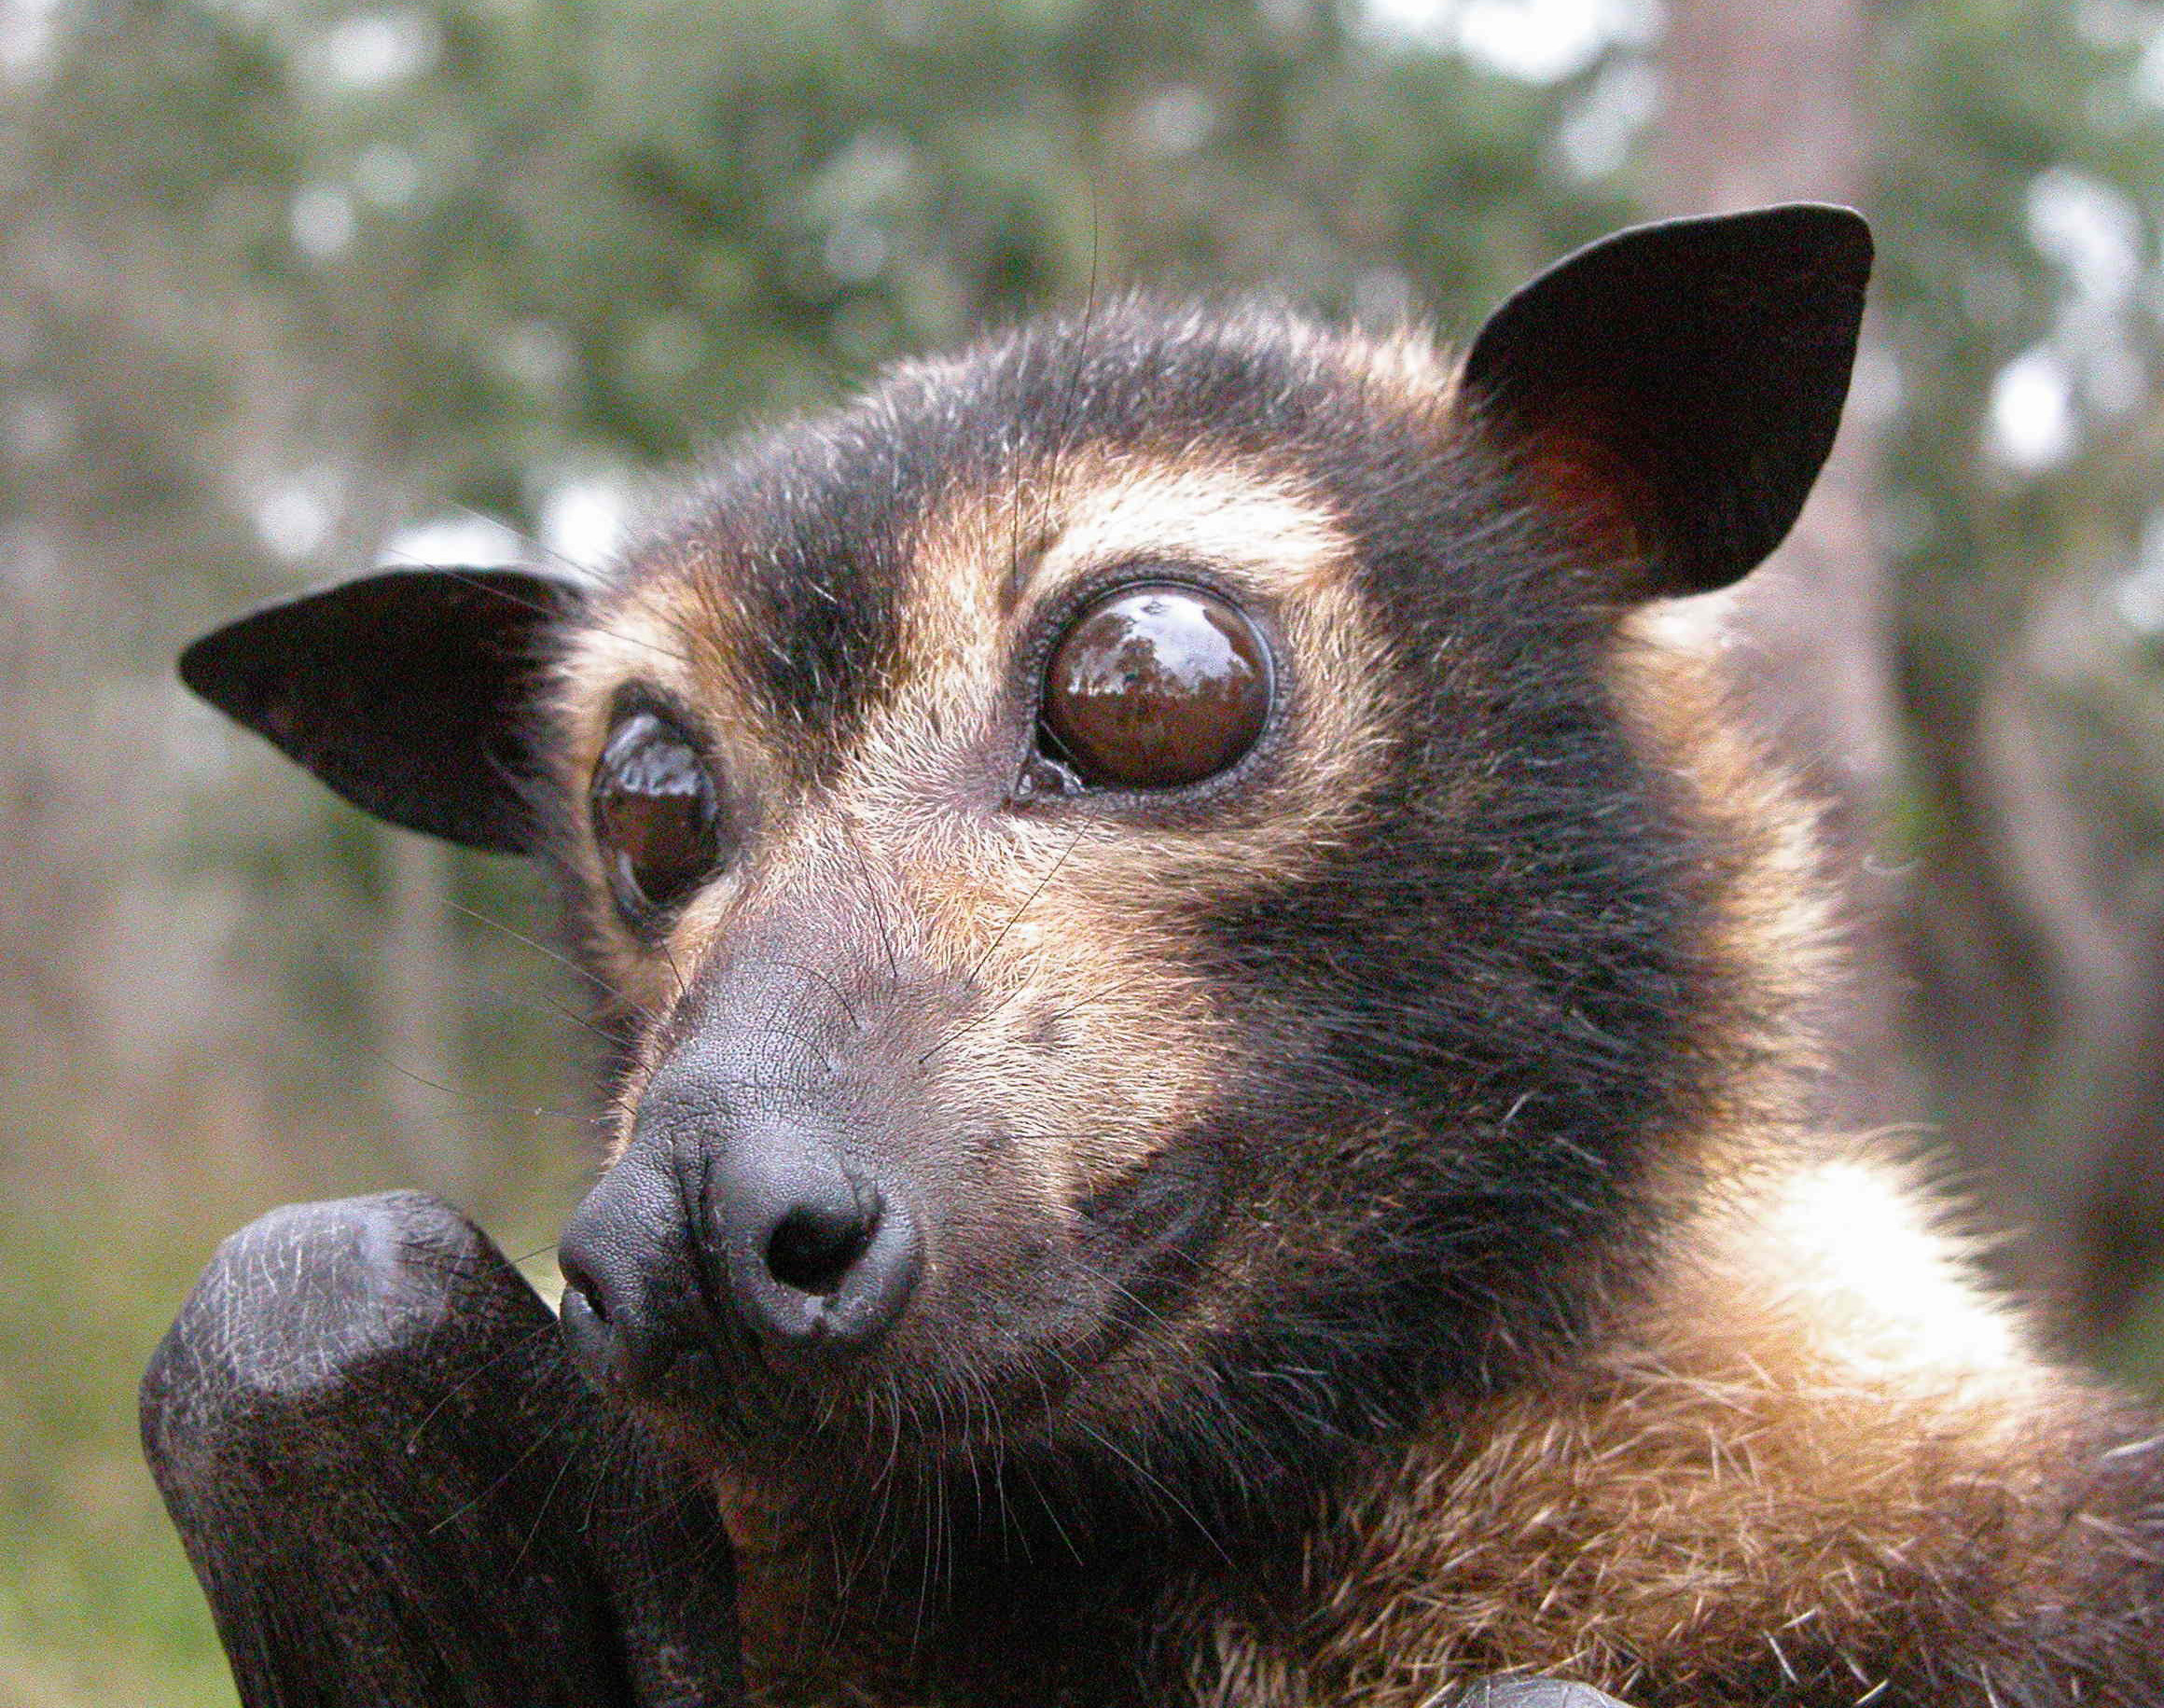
x=539 y=948
x=840 y=996
x=509 y=1471
x=578 y=1117
x=878 y=908
x=535 y=544
x=992 y=948
x=668 y=960
x=1062 y=433
x=480 y=1369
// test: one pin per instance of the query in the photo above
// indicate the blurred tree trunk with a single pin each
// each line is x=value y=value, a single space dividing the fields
x=2022 y=978
x=1764 y=104
x=2040 y=946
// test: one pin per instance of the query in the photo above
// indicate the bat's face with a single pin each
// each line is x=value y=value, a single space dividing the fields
x=1143 y=934
x=979 y=802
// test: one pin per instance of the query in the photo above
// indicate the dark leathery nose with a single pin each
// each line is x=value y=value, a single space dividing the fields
x=704 y=1232
x=813 y=1251
x=627 y=1276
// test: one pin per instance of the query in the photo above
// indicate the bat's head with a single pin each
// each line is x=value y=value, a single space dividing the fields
x=1157 y=918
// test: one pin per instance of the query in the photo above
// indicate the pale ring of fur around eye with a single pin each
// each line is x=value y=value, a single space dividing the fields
x=655 y=815
x=1156 y=686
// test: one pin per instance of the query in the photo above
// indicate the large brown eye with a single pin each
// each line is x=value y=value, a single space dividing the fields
x=1154 y=685
x=655 y=815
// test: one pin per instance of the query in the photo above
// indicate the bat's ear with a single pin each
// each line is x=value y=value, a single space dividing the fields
x=1676 y=387
x=413 y=693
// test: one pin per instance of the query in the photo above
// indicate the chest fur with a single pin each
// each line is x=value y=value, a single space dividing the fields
x=1747 y=1495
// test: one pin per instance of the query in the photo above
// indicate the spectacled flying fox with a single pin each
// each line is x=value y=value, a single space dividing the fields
x=1208 y=1029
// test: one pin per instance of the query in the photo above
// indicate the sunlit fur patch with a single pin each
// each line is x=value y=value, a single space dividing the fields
x=1783 y=1458
x=1264 y=528
x=1407 y=368
x=1880 y=1290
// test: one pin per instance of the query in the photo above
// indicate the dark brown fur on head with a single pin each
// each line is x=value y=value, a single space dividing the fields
x=1242 y=1121
x=1250 y=1156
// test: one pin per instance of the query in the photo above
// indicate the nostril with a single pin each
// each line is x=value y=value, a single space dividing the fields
x=813 y=1248
x=576 y=1280
x=601 y=1353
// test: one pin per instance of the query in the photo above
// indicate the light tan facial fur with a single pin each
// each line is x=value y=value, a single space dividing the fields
x=972 y=890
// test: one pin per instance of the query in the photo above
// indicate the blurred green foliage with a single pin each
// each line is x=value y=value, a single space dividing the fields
x=280 y=279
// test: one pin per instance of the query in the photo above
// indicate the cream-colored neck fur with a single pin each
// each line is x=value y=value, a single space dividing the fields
x=1813 y=1419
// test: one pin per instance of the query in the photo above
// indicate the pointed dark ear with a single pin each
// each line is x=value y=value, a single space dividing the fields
x=1677 y=386
x=413 y=693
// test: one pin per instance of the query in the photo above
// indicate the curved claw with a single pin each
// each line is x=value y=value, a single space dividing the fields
x=1533 y=1693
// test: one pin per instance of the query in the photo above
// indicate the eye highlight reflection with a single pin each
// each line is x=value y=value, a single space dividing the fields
x=1156 y=686
x=657 y=816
